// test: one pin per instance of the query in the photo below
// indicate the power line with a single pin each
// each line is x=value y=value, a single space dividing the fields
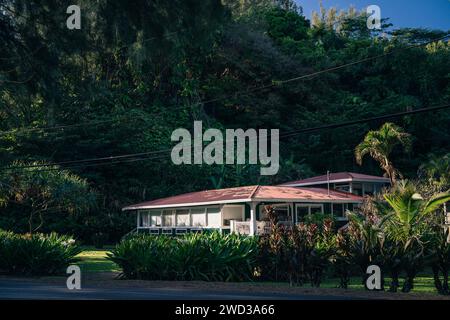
x=54 y=167
x=75 y=125
x=165 y=152
x=110 y=158
x=353 y=122
x=241 y=92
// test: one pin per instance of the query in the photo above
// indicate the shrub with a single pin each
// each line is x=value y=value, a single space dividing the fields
x=36 y=254
x=99 y=239
x=342 y=259
x=208 y=257
x=438 y=254
x=365 y=237
x=296 y=253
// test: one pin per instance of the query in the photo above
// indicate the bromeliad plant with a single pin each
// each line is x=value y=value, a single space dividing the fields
x=36 y=254
x=207 y=257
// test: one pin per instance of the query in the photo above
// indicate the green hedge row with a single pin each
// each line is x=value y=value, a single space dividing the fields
x=36 y=254
x=208 y=257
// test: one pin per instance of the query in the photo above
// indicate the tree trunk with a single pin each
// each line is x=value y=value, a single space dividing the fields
x=30 y=221
x=41 y=221
x=409 y=282
x=445 y=288
x=394 y=283
x=437 y=280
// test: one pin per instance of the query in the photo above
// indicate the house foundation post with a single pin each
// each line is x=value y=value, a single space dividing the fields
x=252 y=218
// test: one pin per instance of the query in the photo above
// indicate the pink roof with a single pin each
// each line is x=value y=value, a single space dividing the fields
x=248 y=194
x=346 y=176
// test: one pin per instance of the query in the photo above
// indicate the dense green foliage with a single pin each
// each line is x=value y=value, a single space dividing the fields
x=207 y=257
x=137 y=71
x=36 y=254
x=40 y=190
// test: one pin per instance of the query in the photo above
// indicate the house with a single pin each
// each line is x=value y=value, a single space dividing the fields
x=356 y=183
x=238 y=209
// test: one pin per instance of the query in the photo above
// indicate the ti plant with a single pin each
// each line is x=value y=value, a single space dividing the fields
x=365 y=240
x=342 y=259
x=322 y=250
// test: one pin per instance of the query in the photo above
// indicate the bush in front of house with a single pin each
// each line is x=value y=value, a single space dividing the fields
x=298 y=254
x=207 y=257
x=36 y=254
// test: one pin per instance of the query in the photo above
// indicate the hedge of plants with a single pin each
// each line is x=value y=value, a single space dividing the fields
x=207 y=257
x=36 y=254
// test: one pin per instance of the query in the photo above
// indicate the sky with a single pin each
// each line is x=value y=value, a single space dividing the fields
x=430 y=14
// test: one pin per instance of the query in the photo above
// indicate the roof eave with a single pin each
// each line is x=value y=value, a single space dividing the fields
x=187 y=204
x=305 y=184
x=296 y=200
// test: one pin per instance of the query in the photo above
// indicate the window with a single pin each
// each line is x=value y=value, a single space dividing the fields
x=144 y=219
x=213 y=217
x=304 y=210
x=315 y=209
x=189 y=217
x=357 y=189
x=368 y=189
x=262 y=213
x=155 y=218
x=343 y=187
x=182 y=218
x=282 y=212
x=338 y=210
x=198 y=217
x=167 y=218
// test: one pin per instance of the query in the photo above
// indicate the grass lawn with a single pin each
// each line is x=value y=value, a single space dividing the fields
x=94 y=260
x=422 y=284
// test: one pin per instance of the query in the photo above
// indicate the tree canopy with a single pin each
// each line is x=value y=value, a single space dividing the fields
x=138 y=70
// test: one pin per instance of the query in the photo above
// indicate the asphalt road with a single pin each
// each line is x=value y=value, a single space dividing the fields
x=23 y=289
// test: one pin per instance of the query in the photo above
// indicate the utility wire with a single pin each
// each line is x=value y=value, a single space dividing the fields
x=165 y=152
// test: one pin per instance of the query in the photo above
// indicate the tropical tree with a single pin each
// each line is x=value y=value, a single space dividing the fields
x=435 y=173
x=436 y=170
x=379 y=145
x=406 y=221
x=41 y=189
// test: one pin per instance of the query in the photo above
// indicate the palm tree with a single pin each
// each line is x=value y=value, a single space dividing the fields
x=406 y=222
x=379 y=145
x=437 y=171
